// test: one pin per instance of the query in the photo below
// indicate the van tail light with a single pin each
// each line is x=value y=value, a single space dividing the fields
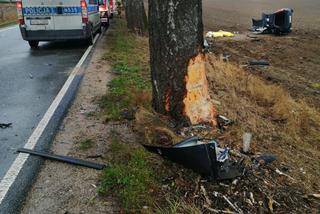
x=84 y=11
x=19 y=12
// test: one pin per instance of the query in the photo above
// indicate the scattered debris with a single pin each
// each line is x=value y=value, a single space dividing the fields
x=314 y=196
x=233 y=206
x=220 y=33
x=65 y=159
x=265 y=159
x=225 y=57
x=206 y=45
x=270 y=204
x=5 y=125
x=279 y=22
x=205 y=194
x=94 y=156
x=258 y=62
x=284 y=174
x=246 y=142
x=127 y=115
x=223 y=122
x=206 y=158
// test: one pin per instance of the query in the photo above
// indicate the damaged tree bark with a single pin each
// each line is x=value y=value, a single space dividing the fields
x=136 y=16
x=180 y=86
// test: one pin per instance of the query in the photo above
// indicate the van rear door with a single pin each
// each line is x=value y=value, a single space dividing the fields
x=68 y=14
x=38 y=15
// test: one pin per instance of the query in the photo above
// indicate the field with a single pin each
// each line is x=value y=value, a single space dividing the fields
x=273 y=102
x=7 y=14
x=294 y=59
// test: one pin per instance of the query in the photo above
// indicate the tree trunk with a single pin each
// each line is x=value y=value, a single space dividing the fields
x=180 y=86
x=136 y=16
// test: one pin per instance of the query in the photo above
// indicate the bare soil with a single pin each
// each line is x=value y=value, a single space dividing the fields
x=294 y=59
x=63 y=188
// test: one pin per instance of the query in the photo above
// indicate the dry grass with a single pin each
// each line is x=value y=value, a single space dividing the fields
x=155 y=128
x=280 y=124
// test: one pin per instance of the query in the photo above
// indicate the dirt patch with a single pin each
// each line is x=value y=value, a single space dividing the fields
x=294 y=59
x=62 y=188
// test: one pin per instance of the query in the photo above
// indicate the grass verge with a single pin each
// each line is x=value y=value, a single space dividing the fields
x=134 y=175
x=130 y=86
x=280 y=125
x=130 y=177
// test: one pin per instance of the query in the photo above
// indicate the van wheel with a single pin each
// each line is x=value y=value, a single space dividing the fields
x=34 y=44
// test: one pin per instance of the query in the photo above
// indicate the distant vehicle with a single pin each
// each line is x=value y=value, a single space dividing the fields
x=112 y=8
x=49 y=20
x=104 y=10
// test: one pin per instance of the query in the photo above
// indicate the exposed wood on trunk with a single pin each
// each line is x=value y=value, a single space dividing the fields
x=136 y=16
x=176 y=57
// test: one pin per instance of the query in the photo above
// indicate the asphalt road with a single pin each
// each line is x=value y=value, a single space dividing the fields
x=29 y=81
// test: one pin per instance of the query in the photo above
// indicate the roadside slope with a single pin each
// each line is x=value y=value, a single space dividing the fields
x=62 y=188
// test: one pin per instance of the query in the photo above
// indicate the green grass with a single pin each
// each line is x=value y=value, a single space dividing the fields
x=7 y=23
x=131 y=80
x=134 y=175
x=316 y=85
x=130 y=176
x=86 y=144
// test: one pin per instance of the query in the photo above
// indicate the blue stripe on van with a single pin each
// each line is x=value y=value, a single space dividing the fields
x=92 y=8
x=43 y=11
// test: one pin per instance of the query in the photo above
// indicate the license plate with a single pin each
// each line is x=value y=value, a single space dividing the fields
x=39 y=22
x=104 y=19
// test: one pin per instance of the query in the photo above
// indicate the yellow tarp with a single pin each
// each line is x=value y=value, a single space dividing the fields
x=219 y=33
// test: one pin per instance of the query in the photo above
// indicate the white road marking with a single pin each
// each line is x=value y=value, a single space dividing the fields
x=8 y=28
x=17 y=165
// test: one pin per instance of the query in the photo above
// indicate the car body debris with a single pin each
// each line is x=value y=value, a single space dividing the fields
x=246 y=138
x=205 y=158
x=264 y=159
x=5 y=125
x=259 y=62
x=279 y=22
x=65 y=159
x=223 y=122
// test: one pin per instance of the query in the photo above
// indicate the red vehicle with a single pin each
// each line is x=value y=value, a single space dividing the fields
x=105 y=12
x=111 y=3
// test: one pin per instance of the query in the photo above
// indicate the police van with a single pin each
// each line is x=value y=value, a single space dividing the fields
x=49 y=20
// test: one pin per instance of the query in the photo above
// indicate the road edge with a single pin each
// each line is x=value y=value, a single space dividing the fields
x=19 y=178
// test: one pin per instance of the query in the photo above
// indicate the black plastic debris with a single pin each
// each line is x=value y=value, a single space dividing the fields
x=279 y=22
x=201 y=158
x=259 y=62
x=223 y=122
x=265 y=159
x=5 y=125
x=64 y=159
